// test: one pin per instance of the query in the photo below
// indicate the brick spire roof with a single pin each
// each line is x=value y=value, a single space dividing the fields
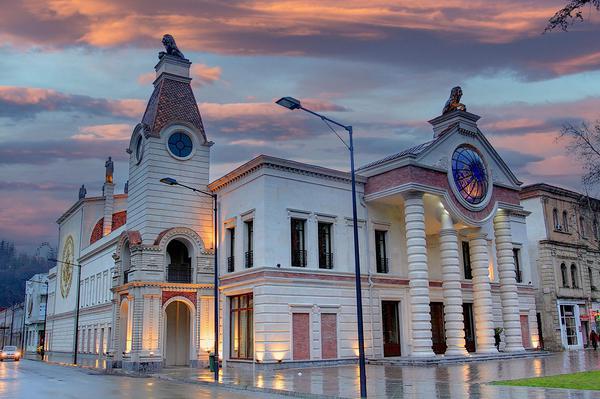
x=172 y=100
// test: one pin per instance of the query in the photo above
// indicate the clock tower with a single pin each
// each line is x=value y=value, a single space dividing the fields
x=171 y=142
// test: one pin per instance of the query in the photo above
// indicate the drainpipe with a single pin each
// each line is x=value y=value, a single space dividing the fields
x=369 y=275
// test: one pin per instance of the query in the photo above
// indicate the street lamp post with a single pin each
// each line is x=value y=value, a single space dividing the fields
x=76 y=309
x=172 y=182
x=293 y=104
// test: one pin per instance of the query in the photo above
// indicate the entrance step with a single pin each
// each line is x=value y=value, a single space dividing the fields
x=441 y=359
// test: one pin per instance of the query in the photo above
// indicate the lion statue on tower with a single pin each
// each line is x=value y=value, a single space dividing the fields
x=453 y=102
x=169 y=42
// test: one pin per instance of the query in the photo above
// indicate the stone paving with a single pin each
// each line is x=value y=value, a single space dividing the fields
x=468 y=380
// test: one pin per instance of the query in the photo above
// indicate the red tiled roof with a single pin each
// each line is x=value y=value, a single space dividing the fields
x=172 y=100
x=118 y=220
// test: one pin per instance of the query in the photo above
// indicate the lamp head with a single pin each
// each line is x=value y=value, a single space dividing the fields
x=289 y=103
x=169 y=180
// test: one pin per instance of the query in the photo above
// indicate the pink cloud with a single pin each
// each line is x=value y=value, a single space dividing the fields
x=112 y=132
x=204 y=75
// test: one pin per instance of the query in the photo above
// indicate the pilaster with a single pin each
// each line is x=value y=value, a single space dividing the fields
x=414 y=216
x=109 y=206
x=508 y=284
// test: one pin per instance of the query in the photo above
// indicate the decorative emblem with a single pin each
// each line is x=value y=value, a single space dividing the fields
x=66 y=267
x=470 y=175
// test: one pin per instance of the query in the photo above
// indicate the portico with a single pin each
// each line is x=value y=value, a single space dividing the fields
x=459 y=251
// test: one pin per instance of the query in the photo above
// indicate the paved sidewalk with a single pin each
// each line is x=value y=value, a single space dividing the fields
x=469 y=380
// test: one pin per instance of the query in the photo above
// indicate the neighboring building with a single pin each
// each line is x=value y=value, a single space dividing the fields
x=11 y=325
x=36 y=294
x=563 y=245
x=443 y=248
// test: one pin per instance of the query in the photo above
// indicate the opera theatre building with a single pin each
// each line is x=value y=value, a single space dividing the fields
x=442 y=240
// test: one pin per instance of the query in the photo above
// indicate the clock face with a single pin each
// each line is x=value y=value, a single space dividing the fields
x=66 y=267
x=180 y=144
x=470 y=175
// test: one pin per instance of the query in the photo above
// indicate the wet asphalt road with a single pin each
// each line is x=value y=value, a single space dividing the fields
x=30 y=379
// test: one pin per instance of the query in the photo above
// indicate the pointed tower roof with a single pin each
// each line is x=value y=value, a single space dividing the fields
x=172 y=99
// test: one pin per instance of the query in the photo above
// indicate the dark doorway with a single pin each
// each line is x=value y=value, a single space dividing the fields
x=438 y=333
x=538 y=316
x=469 y=327
x=391 y=328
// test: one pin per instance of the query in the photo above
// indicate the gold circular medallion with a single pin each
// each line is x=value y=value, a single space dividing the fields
x=66 y=267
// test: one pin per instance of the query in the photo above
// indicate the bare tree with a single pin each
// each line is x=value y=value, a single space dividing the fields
x=583 y=142
x=570 y=13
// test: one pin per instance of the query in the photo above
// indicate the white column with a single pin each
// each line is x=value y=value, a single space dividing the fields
x=418 y=275
x=482 y=293
x=508 y=283
x=453 y=300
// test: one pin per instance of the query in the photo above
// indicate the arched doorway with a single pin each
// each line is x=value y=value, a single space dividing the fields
x=177 y=334
x=124 y=327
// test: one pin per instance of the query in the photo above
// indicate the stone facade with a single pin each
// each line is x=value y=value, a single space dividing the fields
x=563 y=232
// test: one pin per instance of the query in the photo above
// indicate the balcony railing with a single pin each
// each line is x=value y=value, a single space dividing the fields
x=179 y=273
x=230 y=264
x=249 y=259
x=299 y=257
x=326 y=260
x=382 y=265
x=519 y=276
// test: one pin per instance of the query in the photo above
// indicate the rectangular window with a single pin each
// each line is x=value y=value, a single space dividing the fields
x=298 y=243
x=517 y=257
x=325 y=251
x=249 y=243
x=230 y=249
x=241 y=329
x=466 y=252
x=381 y=251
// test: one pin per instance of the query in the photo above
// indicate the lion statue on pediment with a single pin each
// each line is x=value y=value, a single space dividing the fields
x=169 y=42
x=453 y=102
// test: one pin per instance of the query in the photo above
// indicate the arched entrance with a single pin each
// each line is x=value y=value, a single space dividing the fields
x=177 y=334
x=124 y=327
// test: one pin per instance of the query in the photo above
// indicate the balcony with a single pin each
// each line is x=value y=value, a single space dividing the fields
x=298 y=257
x=179 y=273
x=382 y=265
x=249 y=259
x=325 y=260
x=230 y=264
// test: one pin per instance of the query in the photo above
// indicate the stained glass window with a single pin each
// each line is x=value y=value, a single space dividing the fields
x=180 y=144
x=470 y=176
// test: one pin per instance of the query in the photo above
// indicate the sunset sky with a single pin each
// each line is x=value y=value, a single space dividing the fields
x=75 y=76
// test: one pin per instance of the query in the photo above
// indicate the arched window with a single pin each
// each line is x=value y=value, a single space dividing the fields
x=565 y=225
x=126 y=261
x=555 y=219
x=591 y=277
x=179 y=268
x=582 y=226
x=563 y=275
x=574 y=280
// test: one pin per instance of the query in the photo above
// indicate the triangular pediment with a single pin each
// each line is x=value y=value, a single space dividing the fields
x=438 y=154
